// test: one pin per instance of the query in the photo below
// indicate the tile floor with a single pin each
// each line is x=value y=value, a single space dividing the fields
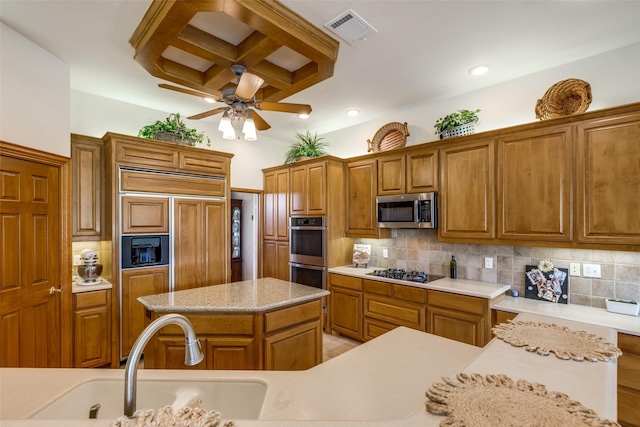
x=335 y=345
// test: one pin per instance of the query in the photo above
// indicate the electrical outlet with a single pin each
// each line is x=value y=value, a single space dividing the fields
x=574 y=268
x=591 y=270
x=77 y=260
x=488 y=262
x=385 y=253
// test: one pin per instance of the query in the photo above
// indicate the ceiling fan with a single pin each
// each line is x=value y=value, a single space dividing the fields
x=241 y=100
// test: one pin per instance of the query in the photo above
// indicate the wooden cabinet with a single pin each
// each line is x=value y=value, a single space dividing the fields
x=308 y=191
x=629 y=380
x=92 y=328
x=345 y=306
x=136 y=283
x=200 y=240
x=275 y=260
x=499 y=316
x=87 y=156
x=236 y=240
x=412 y=172
x=280 y=349
x=459 y=317
x=360 y=204
x=535 y=178
x=276 y=205
x=145 y=215
x=467 y=191
x=608 y=167
x=226 y=353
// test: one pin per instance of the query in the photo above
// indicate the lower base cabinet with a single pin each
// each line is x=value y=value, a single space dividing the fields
x=345 y=306
x=629 y=380
x=92 y=329
x=289 y=338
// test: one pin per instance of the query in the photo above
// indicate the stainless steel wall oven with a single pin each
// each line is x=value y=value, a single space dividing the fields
x=307 y=250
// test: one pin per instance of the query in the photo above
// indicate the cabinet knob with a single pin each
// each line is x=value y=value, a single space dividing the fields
x=53 y=291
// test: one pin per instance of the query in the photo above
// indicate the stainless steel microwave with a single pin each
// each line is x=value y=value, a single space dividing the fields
x=408 y=211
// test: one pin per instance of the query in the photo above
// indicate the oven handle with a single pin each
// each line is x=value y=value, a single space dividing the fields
x=306 y=227
x=307 y=266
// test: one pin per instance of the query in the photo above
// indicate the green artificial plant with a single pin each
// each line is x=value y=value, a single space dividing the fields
x=175 y=126
x=459 y=118
x=307 y=146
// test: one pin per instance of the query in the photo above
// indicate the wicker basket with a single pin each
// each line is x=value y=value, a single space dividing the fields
x=171 y=137
x=567 y=97
x=461 y=130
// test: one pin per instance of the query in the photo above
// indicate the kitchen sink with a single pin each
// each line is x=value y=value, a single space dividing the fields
x=233 y=399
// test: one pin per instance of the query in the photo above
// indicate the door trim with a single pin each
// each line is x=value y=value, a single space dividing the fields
x=8 y=149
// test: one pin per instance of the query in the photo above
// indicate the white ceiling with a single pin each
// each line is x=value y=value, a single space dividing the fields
x=421 y=53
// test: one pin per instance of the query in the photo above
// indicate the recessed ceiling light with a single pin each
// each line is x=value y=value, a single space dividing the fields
x=479 y=70
x=303 y=116
x=210 y=100
x=352 y=112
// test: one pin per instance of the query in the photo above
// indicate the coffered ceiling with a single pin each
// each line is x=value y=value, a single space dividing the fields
x=420 y=53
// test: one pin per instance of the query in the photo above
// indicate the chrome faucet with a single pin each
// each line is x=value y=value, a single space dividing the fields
x=193 y=354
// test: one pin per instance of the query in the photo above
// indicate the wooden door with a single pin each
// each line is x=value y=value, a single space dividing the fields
x=30 y=263
x=608 y=167
x=215 y=245
x=317 y=188
x=88 y=194
x=535 y=174
x=391 y=175
x=459 y=326
x=137 y=282
x=422 y=171
x=467 y=191
x=188 y=253
x=346 y=312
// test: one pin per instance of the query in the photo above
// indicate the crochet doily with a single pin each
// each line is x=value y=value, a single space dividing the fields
x=165 y=416
x=545 y=338
x=496 y=400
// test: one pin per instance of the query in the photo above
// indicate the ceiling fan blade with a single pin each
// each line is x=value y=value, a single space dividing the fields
x=284 y=107
x=208 y=113
x=187 y=91
x=248 y=85
x=260 y=123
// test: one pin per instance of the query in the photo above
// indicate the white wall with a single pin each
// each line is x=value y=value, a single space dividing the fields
x=614 y=78
x=34 y=95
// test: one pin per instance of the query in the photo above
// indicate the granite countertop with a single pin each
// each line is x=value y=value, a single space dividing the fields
x=472 y=288
x=581 y=313
x=379 y=383
x=247 y=296
x=76 y=289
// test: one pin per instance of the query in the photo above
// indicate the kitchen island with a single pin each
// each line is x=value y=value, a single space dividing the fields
x=253 y=324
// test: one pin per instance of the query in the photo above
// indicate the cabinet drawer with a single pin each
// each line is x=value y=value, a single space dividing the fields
x=91 y=299
x=295 y=315
x=204 y=162
x=348 y=282
x=208 y=323
x=458 y=302
x=172 y=184
x=374 y=328
x=375 y=287
x=395 y=312
x=146 y=155
x=409 y=293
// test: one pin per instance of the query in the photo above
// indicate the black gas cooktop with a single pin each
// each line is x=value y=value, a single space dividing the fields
x=401 y=274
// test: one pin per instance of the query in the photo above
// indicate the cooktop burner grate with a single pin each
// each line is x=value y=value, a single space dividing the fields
x=402 y=274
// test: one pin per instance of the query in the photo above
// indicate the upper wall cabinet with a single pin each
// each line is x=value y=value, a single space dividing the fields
x=276 y=204
x=467 y=190
x=413 y=172
x=308 y=192
x=608 y=180
x=535 y=172
x=361 y=219
x=88 y=206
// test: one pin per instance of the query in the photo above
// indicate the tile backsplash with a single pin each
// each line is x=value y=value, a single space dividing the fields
x=420 y=250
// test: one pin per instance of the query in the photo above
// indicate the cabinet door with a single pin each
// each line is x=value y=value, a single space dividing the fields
x=275 y=258
x=317 y=188
x=189 y=258
x=139 y=282
x=231 y=353
x=629 y=380
x=535 y=174
x=361 y=200
x=87 y=182
x=298 y=191
x=282 y=205
x=169 y=353
x=459 y=326
x=422 y=171
x=346 y=312
x=294 y=349
x=608 y=167
x=145 y=214
x=467 y=191
x=215 y=248
x=92 y=329
x=391 y=175
x=270 y=212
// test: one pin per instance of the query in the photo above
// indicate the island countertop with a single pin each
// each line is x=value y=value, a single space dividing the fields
x=246 y=296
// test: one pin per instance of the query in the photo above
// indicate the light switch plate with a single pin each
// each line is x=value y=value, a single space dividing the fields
x=385 y=253
x=591 y=270
x=574 y=268
x=77 y=260
x=488 y=262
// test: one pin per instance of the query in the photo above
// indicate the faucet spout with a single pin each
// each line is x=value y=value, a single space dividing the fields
x=193 y=354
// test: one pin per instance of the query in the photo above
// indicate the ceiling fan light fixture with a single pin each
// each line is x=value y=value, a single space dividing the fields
x=229 y=134
x=225 y=122
x=249 y=128
x=479 y=70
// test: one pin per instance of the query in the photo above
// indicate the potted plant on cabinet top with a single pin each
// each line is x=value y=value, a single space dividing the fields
x=462 y=122
x=173 y=129
x=307 y=147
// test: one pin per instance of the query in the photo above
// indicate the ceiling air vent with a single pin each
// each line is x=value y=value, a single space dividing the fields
x=350 y=27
